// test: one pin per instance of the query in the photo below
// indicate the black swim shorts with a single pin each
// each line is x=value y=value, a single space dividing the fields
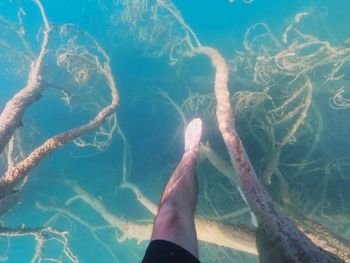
x=162 y=251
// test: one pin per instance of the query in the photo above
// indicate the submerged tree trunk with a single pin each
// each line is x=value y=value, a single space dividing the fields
x=293 y=245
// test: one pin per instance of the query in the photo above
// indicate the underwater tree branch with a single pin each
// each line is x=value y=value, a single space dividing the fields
x=318 y=234
x=42 y=235
x=231 y=236
x=15 y=174
x=92 y=228
x=15 y=108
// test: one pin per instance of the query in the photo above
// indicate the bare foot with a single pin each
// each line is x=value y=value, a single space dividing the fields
x=193 y=135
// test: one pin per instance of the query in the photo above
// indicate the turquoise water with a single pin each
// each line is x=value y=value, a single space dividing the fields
x=151 y=62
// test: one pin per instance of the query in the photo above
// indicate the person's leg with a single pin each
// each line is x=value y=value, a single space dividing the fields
x=175 y=219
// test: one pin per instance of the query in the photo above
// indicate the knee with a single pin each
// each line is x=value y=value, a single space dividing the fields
x=173 y=218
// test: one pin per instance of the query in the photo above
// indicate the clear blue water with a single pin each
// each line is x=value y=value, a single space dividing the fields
x=314 y=163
